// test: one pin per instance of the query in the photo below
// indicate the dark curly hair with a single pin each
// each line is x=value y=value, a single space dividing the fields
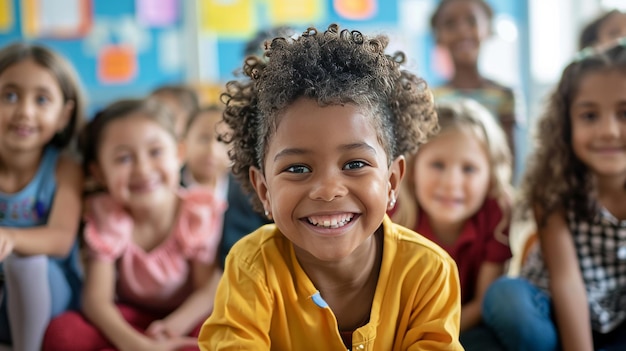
x=556 y=179
x=333 y=67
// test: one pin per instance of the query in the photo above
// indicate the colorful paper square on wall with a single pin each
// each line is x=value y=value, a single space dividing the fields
x=6 y=15
x=233 y=18
x=117 y=64
x=356 y=9
x=156 y=13
x=56 y=18
x=295 y=12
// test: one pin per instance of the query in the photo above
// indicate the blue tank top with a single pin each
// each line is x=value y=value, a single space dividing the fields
x=31 y=206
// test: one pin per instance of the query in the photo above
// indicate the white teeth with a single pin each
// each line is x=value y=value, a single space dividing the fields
x=333 y=222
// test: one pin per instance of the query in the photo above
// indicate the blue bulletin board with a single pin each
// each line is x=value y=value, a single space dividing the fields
x=405 y=21
x=120 y=55
x=132 y=46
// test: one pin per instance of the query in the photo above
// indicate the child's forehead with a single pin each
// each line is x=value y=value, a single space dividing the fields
x=307 y=124
x=310 y=111
x=206 y=119
x=600 y=84
x=28 y=73
x=132 y=125
x=456 y=7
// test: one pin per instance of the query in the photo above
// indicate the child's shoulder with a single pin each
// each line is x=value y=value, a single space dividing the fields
x=67 y=164
x=263 y=244
x=493 y=86
x=200 y=198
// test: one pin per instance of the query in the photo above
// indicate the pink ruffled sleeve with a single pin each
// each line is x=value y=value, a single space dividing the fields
x=108 y=228
x=199 y=228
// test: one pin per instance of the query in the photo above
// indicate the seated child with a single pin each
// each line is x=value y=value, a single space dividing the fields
x=462 y=26
x=458 y=194
x=151 y=268
x=319 y=130
x=41 y=107
x=208 y=165
x=571 y=293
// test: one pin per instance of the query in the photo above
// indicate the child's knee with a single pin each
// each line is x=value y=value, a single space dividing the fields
x=503 y=298
x=15 y=265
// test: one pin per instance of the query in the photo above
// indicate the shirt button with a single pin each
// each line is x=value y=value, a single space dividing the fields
x=360 y=347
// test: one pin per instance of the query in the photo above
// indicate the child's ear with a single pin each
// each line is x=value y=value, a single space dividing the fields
x=396 y=173
x=260 y=186
x=66 y=114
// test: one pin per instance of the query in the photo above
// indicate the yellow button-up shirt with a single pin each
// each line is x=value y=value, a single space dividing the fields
x=265 y=301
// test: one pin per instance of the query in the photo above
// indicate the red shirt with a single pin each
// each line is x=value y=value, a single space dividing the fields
x=475 y=245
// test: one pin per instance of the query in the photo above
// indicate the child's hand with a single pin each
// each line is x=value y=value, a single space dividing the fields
x=162 y=330
x=7 y=243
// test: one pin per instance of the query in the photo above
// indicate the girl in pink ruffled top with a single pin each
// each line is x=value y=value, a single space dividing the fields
x=151 y=270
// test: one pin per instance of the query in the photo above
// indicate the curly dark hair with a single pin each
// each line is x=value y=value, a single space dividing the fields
x=334 y=67
x=556 y=179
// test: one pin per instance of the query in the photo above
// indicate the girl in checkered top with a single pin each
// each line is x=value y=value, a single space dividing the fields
x=572 y=289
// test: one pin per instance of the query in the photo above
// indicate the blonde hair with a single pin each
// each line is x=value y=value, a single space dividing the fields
x=465 y=114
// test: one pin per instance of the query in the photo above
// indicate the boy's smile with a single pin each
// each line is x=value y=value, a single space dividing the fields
x=326 y=182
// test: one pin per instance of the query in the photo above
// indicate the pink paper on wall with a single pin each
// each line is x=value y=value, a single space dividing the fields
x=156 y=13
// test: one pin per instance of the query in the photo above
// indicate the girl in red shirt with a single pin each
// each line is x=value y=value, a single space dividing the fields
x=457 y=193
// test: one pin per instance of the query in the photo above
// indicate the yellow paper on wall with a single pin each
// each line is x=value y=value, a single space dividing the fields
x=289 y=11
x=6 y=15
x=228 y=17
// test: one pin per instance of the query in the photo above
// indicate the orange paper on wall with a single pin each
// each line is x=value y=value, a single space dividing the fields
x=117 y=64
x=356 y=9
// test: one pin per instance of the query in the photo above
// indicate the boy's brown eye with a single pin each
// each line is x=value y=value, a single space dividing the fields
x=298 y=169
x=354 y=165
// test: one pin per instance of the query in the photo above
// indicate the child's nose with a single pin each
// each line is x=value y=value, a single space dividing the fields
x=142 y=166
x=452 y=177
x=327 y=186
x=609 y=126
x=25 y=108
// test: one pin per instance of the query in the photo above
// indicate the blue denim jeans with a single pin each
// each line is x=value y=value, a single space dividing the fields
x=521 y=315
